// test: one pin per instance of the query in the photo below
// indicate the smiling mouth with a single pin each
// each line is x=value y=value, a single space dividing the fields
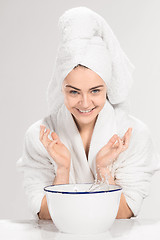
x=86 y=111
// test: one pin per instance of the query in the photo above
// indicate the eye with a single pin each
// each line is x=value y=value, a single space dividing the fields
x=73 y=92
x=95 y=91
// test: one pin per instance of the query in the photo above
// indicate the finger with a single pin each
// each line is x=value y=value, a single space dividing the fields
x=45 y=136
x=129 y=131
x=51 y=144
x=127 y=137
x=120 y=141
x=55 y=137
x=119 y=146
x=45 y=140
x=50 y=148
x=42 y=128
x=116 y=143
x=112 y=141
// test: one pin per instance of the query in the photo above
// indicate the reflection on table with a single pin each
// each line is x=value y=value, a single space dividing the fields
x=133 y=228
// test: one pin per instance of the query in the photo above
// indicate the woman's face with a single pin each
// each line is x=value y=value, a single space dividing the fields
x=84 y=94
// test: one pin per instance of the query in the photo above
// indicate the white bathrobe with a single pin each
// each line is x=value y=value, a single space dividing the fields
x=132 y=170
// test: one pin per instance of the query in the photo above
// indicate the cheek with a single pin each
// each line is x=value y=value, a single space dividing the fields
x=101 y=99
x=69 y=101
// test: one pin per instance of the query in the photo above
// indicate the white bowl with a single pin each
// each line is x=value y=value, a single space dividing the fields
x=82 y=211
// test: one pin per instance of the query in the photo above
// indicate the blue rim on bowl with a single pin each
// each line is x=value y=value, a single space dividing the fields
x=70 y=192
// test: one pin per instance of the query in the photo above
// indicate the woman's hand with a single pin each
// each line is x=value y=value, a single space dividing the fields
x=56 y=149
x=112 y=149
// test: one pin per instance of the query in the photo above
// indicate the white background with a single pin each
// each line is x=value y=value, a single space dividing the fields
x=28 y=44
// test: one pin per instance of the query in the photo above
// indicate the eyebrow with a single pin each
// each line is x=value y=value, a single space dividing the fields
x=67 y=85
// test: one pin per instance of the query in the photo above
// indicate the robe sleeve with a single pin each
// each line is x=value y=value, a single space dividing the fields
x=135 y=166
x=37 y=167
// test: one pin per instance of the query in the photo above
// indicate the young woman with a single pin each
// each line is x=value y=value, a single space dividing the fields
x=88 y=131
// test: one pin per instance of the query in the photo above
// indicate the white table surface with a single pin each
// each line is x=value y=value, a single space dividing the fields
x=133 y=228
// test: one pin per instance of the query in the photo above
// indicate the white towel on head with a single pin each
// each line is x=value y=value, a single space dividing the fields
x=87 y=39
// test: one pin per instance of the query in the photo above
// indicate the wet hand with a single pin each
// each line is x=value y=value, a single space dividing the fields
x=56 y=149
x=110 y=152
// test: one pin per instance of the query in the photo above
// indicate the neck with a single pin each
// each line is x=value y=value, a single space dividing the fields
x=85 y=127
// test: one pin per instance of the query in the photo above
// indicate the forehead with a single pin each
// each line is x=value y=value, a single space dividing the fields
x=82 y=77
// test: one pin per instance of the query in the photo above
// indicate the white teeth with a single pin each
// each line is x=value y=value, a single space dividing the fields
x=85 y=111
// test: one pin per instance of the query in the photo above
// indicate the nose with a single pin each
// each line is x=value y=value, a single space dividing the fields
x=85 y=101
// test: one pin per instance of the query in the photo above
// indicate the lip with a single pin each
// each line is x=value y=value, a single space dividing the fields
x=86 y=113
